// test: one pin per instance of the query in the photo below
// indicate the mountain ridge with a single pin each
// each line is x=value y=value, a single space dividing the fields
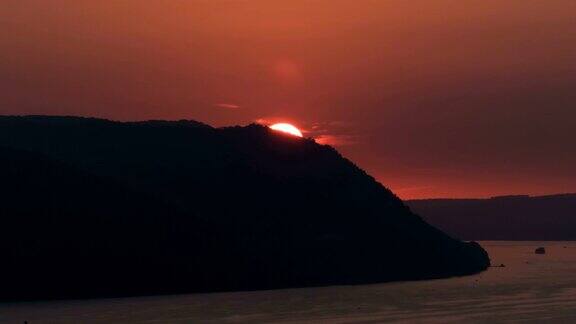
x=516 y=217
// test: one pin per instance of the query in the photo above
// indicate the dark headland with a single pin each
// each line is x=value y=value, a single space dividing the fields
x=99 y=208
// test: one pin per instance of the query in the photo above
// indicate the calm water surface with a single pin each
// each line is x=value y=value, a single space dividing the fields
x=530 y=288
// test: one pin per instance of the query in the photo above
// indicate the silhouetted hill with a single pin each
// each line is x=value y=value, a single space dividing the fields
x=95 y=207
x=502 y=218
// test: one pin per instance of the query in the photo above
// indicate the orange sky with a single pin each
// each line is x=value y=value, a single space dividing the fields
x=435 y=98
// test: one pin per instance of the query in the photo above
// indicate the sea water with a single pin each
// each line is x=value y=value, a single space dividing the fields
x=529 y=287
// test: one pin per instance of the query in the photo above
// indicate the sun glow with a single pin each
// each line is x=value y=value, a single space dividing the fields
x=287 y=128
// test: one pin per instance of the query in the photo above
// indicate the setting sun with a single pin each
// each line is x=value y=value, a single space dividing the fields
x=287 y=128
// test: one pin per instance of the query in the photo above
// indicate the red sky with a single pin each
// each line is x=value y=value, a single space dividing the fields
x=435 y=98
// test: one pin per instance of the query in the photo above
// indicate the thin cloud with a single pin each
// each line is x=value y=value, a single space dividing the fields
x=336 y=140
x=262 y=121
x=227 y=105
x=334 y=133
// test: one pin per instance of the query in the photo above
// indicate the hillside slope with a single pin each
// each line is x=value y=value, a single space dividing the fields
x=188 y=207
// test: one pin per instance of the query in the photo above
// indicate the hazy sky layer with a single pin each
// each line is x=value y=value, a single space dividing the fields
x=435 y=98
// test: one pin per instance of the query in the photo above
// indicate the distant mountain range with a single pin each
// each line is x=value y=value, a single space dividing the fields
x=93 y=207
x=502 y=218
